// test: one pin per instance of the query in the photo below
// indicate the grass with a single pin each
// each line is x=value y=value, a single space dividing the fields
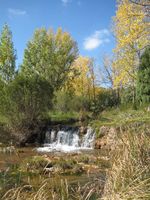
x=129 y=177
x=117 y=116
x=29 y=180
x=3 y=119
x=47 y=192
x=63 y=117
x=51 y=190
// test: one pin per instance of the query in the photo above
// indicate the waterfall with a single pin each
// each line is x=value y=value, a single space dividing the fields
x=88 y=138
x=67 y=139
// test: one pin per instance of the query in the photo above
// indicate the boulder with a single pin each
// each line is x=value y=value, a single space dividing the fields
x=108 y=137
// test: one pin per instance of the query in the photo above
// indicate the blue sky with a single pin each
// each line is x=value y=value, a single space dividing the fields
x=88 y=21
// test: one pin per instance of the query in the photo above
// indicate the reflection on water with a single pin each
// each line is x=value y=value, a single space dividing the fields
x=8 y=160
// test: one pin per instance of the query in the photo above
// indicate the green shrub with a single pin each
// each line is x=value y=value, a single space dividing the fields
x=26 y=99
x=106 y=98
x=143 y=78
x=69 y=102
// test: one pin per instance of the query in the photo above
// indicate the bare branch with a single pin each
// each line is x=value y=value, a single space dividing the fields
x=138 y=2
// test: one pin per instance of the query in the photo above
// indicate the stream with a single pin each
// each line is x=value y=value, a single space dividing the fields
x=65 y=143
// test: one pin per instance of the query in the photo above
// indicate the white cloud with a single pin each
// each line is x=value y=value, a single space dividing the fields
x=12 y=11
x=95 y=40
x=66 y=2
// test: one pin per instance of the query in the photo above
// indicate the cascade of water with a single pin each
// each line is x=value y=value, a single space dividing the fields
x=53 y=135
x=88 y=138
x=67 y=140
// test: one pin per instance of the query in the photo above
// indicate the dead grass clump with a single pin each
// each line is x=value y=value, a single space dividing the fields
x=129 y=177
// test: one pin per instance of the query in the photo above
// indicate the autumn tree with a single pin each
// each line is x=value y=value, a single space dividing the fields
x=145 y=4
x=7 y=55
x=79 y=90
x=83 y=81
x=50 y=56
x=131 y=32
x=141 y=2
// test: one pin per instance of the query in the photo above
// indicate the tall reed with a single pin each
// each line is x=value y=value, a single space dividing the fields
x=129 y=177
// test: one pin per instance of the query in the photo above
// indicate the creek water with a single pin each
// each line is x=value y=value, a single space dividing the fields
x=63 y=142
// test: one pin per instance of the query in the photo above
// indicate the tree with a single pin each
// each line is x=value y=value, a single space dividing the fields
x=81 y=78
x=143 y=80
x=25 y=101
x=130 y=29
x=7 y=55
x=145 y=4
x=93 y=79
x=107 y=73
x=106 y=98
x=80 y=88
x=141 y=2
x=50 y=56
x=132 y=36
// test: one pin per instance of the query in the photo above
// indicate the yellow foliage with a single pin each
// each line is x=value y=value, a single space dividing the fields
x=82 y=82
x=131 y=30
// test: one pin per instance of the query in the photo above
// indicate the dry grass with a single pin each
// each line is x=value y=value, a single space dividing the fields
x=47 y=192
x=129 y=177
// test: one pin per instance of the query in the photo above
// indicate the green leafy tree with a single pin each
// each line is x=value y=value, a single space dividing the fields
x=7 y=55
x=28 y=98
x=105 y=99
x=143 y=82
x=50 y=56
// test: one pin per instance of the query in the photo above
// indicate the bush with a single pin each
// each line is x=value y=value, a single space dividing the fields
x=126 y=96
x=62 y=101
x=106 y=98
x=68 y=102
x=26 y=99
x=143 y=78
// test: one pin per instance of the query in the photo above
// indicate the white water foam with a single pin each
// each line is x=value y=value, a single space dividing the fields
x=68 y=141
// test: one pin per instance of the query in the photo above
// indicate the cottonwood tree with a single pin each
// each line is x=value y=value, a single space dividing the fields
x=132 y=36
x=83 y=81
x=141 y=2
x=79 y=91
x=145 y=4
x=7 y=55
x=50 y=56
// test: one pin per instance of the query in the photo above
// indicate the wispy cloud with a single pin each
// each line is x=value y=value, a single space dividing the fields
x=95 y=40
x=79 y=3
x=16 y=12
x=65 y=2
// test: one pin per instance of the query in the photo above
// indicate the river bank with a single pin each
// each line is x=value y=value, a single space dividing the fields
x=119 y=150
